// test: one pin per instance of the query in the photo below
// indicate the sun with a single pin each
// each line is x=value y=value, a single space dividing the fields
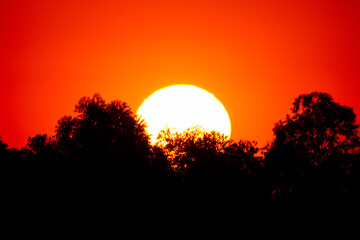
x=179 y=107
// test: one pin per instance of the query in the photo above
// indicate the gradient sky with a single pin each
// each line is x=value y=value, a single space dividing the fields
x=256 y=57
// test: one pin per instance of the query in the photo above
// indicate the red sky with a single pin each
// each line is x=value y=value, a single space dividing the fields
x=256 y=57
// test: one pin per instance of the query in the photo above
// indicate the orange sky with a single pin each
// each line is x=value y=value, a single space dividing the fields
x=256 y=57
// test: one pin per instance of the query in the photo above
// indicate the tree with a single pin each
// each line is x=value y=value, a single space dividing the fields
x=105 y=143
x=192 y=149
x=41 y=144
x=321 y=125
x=101 y=128
x=244 y=170
x=311 y=146
x=3 y=146
x=244 y=155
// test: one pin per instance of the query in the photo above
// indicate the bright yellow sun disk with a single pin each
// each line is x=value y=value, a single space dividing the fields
x=182 y=106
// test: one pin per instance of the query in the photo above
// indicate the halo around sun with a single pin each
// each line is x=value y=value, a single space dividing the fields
x=179 y=107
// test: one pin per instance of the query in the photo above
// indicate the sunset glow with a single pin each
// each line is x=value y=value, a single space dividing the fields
x=256 y=56
x=180 y=107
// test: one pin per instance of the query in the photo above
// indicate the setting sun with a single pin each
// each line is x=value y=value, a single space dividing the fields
x=127 y=105
x=183 y=106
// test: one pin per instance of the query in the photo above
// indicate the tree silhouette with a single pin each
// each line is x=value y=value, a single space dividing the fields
x=213 y=168
x=41 y=145
x=323 y=126
x=244 y=155
x=190 y=148
x=104 y=152
x=244 y=170
x=102 y=127
x=311 y=146
x=104 y=145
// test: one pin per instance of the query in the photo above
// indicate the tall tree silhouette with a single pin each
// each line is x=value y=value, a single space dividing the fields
x=102 y=127
x=105 y=140
x=311 y=146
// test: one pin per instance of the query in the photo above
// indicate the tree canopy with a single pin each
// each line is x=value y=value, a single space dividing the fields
x=191 y=146
x=104 y=149
x=319 y=125
x=314 y=147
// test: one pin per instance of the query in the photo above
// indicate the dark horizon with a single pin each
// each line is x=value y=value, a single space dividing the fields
x=105 y=150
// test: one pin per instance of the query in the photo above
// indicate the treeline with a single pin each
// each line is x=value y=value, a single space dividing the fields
x=104 y=152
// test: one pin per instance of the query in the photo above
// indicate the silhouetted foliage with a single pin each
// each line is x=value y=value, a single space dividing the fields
x=211 y=165
x=102 y=127
x=311 y=150
x=41 y=145
x=104 y=152
x=106 y=143
x=105 y=148
x=245 y=155
x=191 y=147
x=3 y=146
